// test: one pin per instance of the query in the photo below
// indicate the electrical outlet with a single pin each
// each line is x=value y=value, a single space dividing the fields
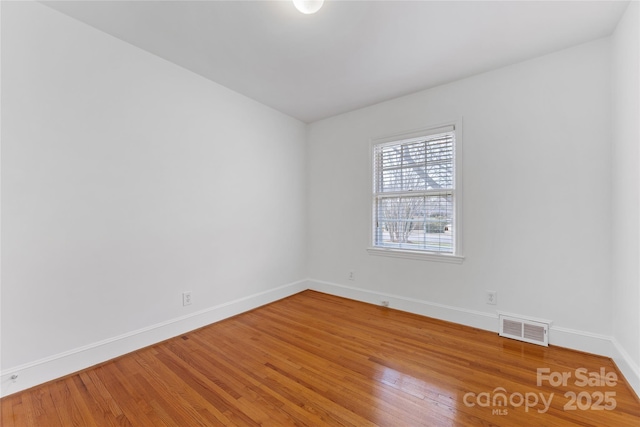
x=186 y=298
x=352 y=275
x=491 y=297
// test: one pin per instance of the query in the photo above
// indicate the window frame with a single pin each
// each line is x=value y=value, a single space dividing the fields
x=418 y=254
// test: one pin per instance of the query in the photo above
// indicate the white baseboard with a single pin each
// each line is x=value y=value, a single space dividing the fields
x=50 y=368
x=581 y=340
x=629 y=369
x=59 y=365
x=476 y=319
x=564 y=337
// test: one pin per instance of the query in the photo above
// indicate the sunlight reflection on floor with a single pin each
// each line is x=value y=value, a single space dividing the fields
x=440 y=405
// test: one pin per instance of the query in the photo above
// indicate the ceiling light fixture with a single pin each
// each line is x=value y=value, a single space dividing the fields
x=308 y=6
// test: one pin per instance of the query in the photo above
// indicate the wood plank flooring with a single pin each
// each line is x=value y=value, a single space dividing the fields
x=315 y=360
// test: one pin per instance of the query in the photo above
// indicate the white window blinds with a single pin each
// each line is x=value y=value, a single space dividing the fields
x=414 y=193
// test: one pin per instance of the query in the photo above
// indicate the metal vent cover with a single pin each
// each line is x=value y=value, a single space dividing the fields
x=523 y=329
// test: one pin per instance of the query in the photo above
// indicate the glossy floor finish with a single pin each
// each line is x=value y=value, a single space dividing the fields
x=314 y=359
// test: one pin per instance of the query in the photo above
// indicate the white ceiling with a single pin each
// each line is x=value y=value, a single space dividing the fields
x=351 y=53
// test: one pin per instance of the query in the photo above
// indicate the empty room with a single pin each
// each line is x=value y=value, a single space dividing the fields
x=320 y=213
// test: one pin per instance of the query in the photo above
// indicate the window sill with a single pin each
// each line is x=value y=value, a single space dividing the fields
x=424 y=256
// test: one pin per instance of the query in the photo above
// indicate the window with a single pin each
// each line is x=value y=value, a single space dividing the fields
x=416 y=202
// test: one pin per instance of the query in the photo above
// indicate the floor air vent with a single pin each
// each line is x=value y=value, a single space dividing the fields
x=526 y=330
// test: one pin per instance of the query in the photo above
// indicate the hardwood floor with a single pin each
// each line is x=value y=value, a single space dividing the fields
x=314 y=359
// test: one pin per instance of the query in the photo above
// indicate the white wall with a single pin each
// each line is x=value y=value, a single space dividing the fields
x=116 y=168
x=626 y=190
x=127 y=180
x=537 y=180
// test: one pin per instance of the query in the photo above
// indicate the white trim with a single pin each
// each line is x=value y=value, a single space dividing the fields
x=627 y=367
x=425 y=256
x=587 y=342
x=458 y=172
x=59 y=365
x=448 y=126
x=473 y=318
x=602 y=345
x=417 y=134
